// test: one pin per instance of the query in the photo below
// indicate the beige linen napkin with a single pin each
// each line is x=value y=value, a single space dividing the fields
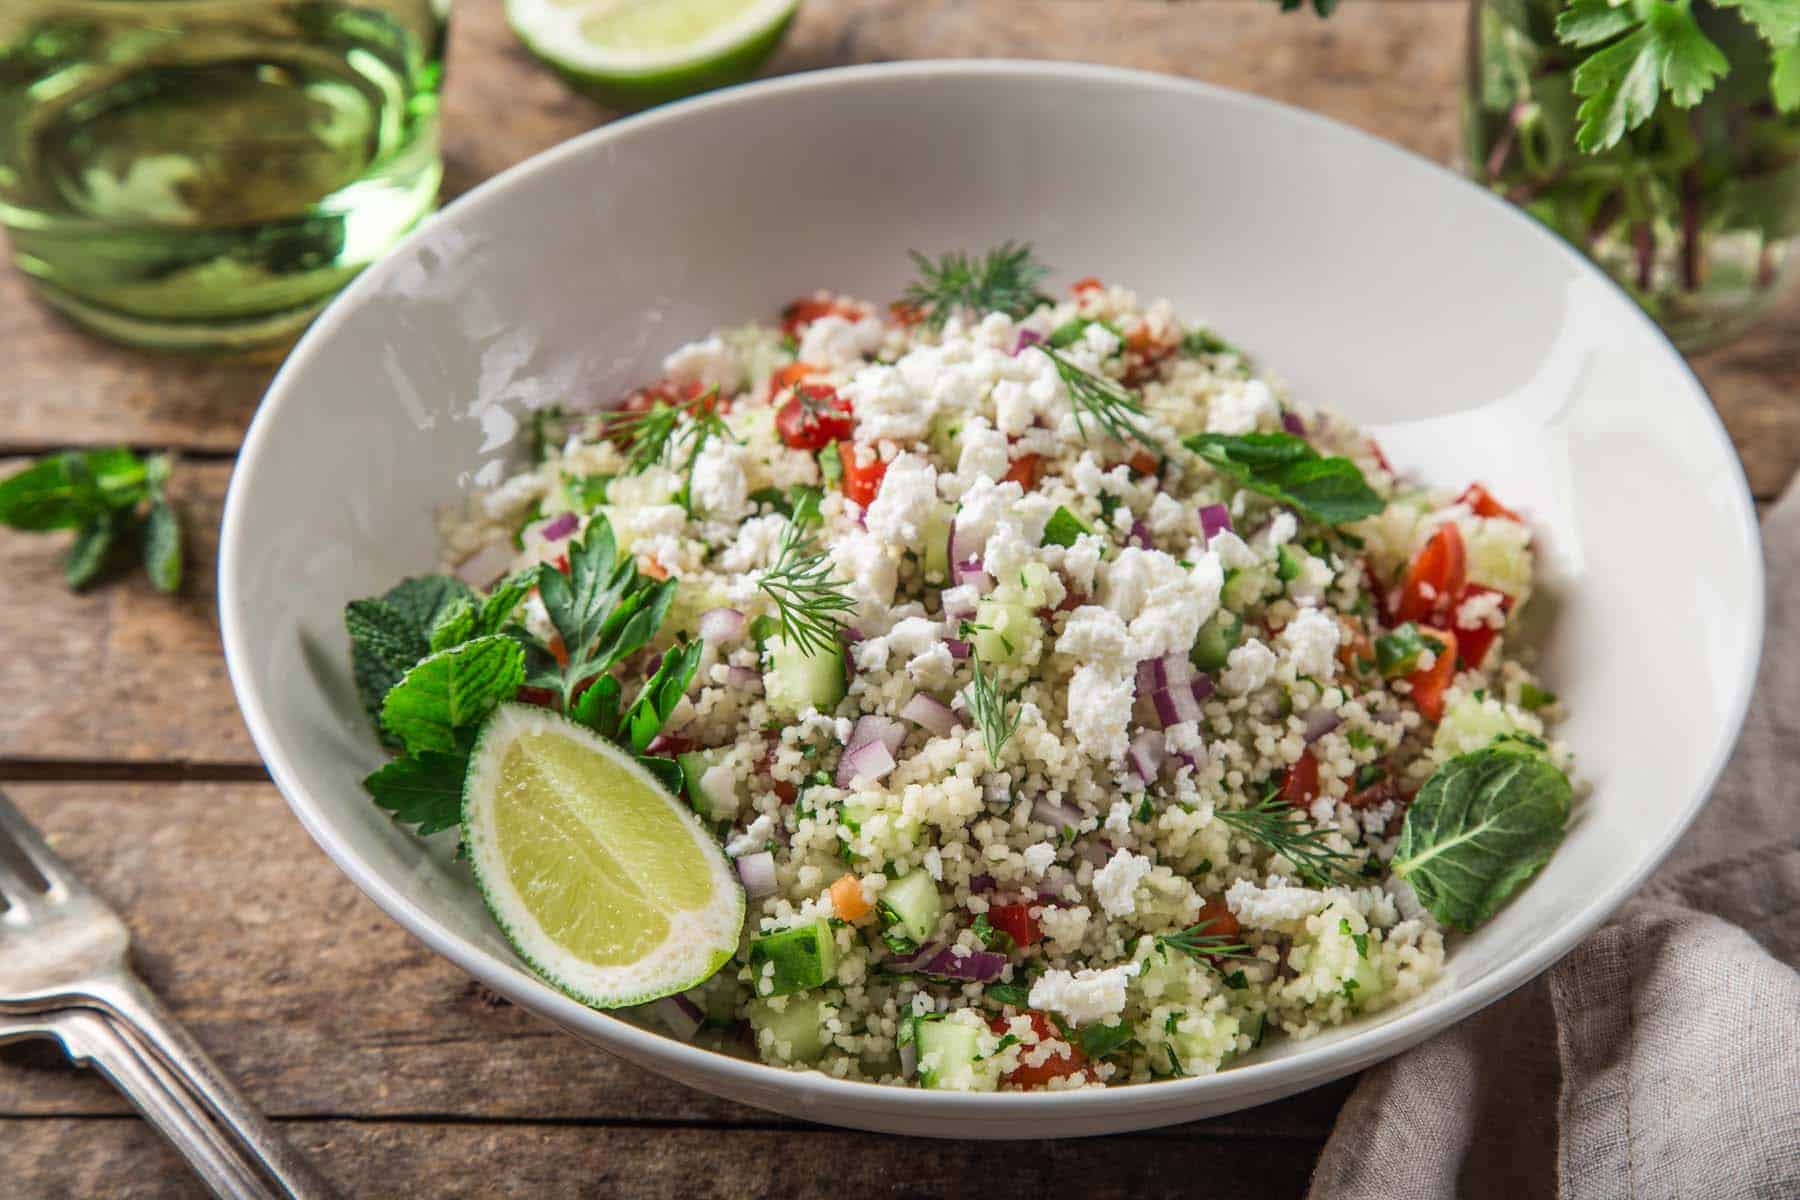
x=1661 y=1057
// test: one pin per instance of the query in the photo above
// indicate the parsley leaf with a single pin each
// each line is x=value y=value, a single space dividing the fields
x=1482 y=825
x=1015 y=994
x=438 y=703
x=661 y=693
x=602 y=608
x=1283 y=467
x=1777 y=20
x=425 y=790
x=1662 y=49
x=1098 y=1041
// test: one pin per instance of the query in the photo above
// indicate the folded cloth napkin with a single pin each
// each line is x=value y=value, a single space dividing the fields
x=1661 y=1057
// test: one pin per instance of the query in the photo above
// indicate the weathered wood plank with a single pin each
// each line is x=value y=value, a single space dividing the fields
x=122 y=1159
x=323 y=1007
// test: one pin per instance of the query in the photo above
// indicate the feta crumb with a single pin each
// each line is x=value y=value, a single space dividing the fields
x=1039 y=857
x=1086 y=996
x=709 y=363
x=1267 y=907
x=833 y=341
x=1232 y=550
x=1100 y=700
x=1247 y=668
x=1118 y=819
x=719 y=487
x=1163 y=603
x=754 y=838
x=1094 y=634
x=1310 y=643
x=1283 y=528
x=1242 y=409
x=1115 y=884
x=934 y=864
x=905 y=502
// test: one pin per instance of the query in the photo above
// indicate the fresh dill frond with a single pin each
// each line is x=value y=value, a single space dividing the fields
x=989 y=705
x=1109 y=402
x=1275 y=824
x=655 y=434
x=1004 y=280
x=1202 y=946
x=809 y=600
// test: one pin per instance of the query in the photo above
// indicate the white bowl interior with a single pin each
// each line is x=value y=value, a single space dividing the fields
x=1378 y=284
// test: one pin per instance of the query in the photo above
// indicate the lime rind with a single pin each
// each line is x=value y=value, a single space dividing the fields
x=699 y=941
x=633 y=79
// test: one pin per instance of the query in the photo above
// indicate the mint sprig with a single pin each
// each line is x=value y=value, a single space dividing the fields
x=1331 y=491
x=110 y=498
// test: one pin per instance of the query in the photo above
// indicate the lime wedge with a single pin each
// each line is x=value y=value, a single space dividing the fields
x=604 y=883
x=634 y=53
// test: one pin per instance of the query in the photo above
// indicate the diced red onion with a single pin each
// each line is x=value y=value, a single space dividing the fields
x=722 y=624
x=1053 y=814
x=1213 y=518
x=744 y=678
x=558 y=528
x=682 y=1016
x=873 y=728
x=1319 y=722
x=850 y=636
x=1181 y=702
x=1293 y=424
x=1139 y=536
x=757 y=871
x=959 y=649
x=976 y=966
x=1169 y=671
x=485 y=565
x=1146 y=755
x=871 y=760
x=1027 y=337
x=981 y=884
x=1096 y=852
x=668 y=743
x=905 y=964
x=970 y=573
x=930 y=713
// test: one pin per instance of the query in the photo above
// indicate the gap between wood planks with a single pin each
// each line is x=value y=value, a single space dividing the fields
x=53 y=770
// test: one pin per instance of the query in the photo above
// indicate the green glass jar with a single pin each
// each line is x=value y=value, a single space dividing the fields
x=1695 y=211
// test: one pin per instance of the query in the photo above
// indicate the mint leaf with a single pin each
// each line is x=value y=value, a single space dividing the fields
x=57 y=492
x=1482 y=825
x=664 y=690
x=1590 y=22
x=391 y=633
x=89 y=554
x=162 y=546
x=425 y=790
x=440 y=701
x=1098 y=1041
x=1285 y=468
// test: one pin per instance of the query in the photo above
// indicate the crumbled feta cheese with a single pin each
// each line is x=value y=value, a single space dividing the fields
x=886 y=407
x=1115 y=884
x=1094 y=634
x=1247 y=668
x=1084 y=997
x=866 y=566
x=1093 y=482
x=754 y=838
x=934 y=864
x=832 y=341
x=1100 y=709
x=1081 y=562
x=709 y=363
x=1038 y=857
x=1233 y=552
x=983 y=453
x=1102 y=341
x=719 y=487
x=1267 y=907
x=1183 y=737
x=758 y=540
x=1283 y=528
x=1242 y=408
x=1168 y=516
x=1308 y=587
x=1310 y=642
x=907 y=498
x=1163 y=603
x=933 y=668
x=909 y=638
x=1118 y=819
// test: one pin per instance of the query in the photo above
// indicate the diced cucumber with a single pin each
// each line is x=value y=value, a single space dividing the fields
x=718 y=997
x=1218 y=638
x=1499 y=555
x=1064 y=527
x=793 y=960
x=1005 y=632
x=797 y=680
x=1288 y=562
x=1470 y=724
x=912 y=903
x=936 y=558
x=946 y=433
x=1245 y=587
x=716 y=798
x=950 y=1053
x=798 y=1026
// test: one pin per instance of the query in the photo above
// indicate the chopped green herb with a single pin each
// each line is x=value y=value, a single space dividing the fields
x=989 y=707
x=1286 y=469
x=1108 y=402
x=1098 y=1041
x=110 y=498
x=1275 y=823
x=1532 y=697
x=1004 y=280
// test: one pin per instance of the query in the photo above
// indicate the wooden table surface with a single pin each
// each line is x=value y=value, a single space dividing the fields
x=120 y=737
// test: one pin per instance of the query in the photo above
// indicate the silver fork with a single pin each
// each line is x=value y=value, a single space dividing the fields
x=61 y=947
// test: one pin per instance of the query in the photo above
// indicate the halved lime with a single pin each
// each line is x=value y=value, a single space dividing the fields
x=604 y=883
x=634 y=53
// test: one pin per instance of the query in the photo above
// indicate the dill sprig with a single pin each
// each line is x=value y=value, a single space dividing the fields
x=1202 y=946
x=655 y=434
x=1004 y=280
x=988 y=705
x=1275 y=823
x=1109 y=402
x=809 y=600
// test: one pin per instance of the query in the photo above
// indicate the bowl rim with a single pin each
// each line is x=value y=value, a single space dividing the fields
x=1260 y=1081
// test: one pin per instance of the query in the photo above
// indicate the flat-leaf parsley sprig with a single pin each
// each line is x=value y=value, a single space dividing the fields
x=996 y=712
x=1004 y=280
x=1275 y=824
x=1108 y=402
x=810 y=601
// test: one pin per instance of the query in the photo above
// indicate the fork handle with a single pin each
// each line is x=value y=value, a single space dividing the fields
x=126 y=997
x=164 y=1106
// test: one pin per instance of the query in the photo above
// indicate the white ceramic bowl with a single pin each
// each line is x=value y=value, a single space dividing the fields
x=1379 y=284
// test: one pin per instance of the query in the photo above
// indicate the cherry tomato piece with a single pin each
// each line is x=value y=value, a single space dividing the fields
x=1429 y=685
x=860 y=482
x=1436 y=577
x=813 y=417
x=1024 y=470
x=1087 y=283
x=1300 y=786
x=1216 y=920
x=1016 y=922
x=1070 y=1061
x=1473 y=644
x=1482 y=503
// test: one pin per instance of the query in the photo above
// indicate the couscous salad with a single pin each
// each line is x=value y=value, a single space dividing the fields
x=987 y=690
